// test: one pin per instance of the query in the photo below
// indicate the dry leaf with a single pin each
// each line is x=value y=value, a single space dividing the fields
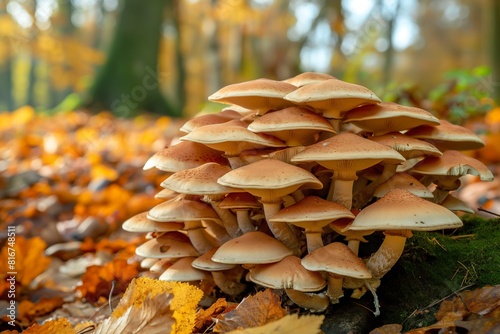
x=388 y=329
x=204 y=318
x=28 y=311
x=289 y=324
x=59 y=326
x=257 y=310
x=142 y=293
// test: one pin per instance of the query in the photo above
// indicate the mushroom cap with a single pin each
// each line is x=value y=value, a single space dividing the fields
x=388 y=117
x=241 y=200
x=212 y=118
x=287 y=274
x=403 y=181
x=182 y=210
x=310 y=210
x=447 y=136
x=184 y=155
x=338 y=259
x=161 y=265
x=231 y=137
x=166 y=194
x=250 y=248
x=401 y=210
x=168 y=245
x=347 y=151
x=292 y=123
x=201 y=180
x=407 y=146
x=456 y=204
x=263 y=94
x=270 y=179
x=183 y=271
x=141 y=223
x=204 y=262
x=332 y=97
x=306 y=78
x=453 y=163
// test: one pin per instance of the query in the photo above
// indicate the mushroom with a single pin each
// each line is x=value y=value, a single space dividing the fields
x=345 y=154
x=168 y=245
x=332 y=98
x=289 y=274
x=307 y=78
x=337 y=260
x=389 y=117
x=270 y=180
x=295 y=126
x=261 y=95
x=141 y=223
x=232 y=138
x=312 y=214
x=212 y=118
x=241 y=203
x=455 y=204
x=403 y=181
x=182 y=271
x=204 y=262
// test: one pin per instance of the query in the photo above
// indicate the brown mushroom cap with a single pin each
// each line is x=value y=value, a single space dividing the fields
x=293 y=125
x=141 y=223
x=204 y=262
x=206 y=119
x=200 y=180
x=240 y=200
x=407 y=146
x=231 y=137
x=262 y=94
x=251 y=248
x=338 y=259
x=184 y=155
x=270 y=179
x=168 y=245
x=183 y=271
x=332 y=97
x=182 y=210
x=287 y=274
x=447 y=136
x=388 y=117
x=307 y=78
x=401 y=210
x=403 y=181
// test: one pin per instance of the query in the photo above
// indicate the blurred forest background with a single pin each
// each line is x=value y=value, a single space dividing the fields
x=167 y=56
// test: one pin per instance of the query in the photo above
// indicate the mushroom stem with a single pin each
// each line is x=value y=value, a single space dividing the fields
x=334 y=291
x=366 y=194
x=388 y=253
x=353 y=245
x=228 y=219
x=230 y=287
x=196 y=234
x=235 y=162
x=216 y=232
x=244 y=221
x=313 y=240
x=315 y=302
x=342 y=192
x=280 y=230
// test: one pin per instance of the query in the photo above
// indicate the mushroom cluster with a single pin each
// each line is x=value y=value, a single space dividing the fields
x=252 y=191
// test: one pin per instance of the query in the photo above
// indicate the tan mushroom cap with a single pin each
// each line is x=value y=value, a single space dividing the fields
x=200 y=180
x=448 y=136
x=270 y=179
x=204 y=262
x=141 y=223
x=251 y=248
x=453 y=163
x=240 y=200
x=338 y=259
x=260 y=94
x=403 y=181
x=161 y=265
x=401 y=210
x=183 y=210
x=168 y=245
x=287 y=274
x=388 y=117
x=183 y=271
x=407 y=146
x=166 y=194
x=231 y=137
x=307 y=78
x=455 y=204
x=293 y=125
x=347 y=151
x=332 y=97
x=184 y=155
x=207 y=119
x=310 y=211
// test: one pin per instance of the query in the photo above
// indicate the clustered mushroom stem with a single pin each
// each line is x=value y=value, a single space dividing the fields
x=235 y=162
x=314 y=240
x=244 y=221
x=353 y=245
x=219 y=232
x=199 y=240
x=230 y=287
x=367 y=193
x=388 y=254
x=342 y=193
x=229 y=220
x=280 y=230
x=334 y=291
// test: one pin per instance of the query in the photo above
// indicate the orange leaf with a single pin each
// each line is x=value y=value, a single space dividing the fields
x=204 y=318
x=59 y=326
x=28 y=311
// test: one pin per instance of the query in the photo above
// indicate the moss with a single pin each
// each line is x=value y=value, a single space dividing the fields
x=435 y=265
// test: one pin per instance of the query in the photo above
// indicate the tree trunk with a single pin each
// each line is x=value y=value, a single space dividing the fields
x=129 y=82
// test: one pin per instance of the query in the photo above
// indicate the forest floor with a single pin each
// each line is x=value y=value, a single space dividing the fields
x=69 y=181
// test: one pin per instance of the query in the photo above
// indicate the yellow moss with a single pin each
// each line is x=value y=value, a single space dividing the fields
x=183 y=305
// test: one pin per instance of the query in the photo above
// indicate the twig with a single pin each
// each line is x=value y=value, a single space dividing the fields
x=456 y=237
x=488 y=211
x=113 y=283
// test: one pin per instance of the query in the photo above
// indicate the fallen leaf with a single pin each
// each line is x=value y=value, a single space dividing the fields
x=28 y=311
x=253 y=311
x=59 y=326
x=289 y=324
x=388 y=329
x=204 y=318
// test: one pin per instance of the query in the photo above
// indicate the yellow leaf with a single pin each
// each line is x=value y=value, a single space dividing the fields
x=290 y=324
x=59 y=326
